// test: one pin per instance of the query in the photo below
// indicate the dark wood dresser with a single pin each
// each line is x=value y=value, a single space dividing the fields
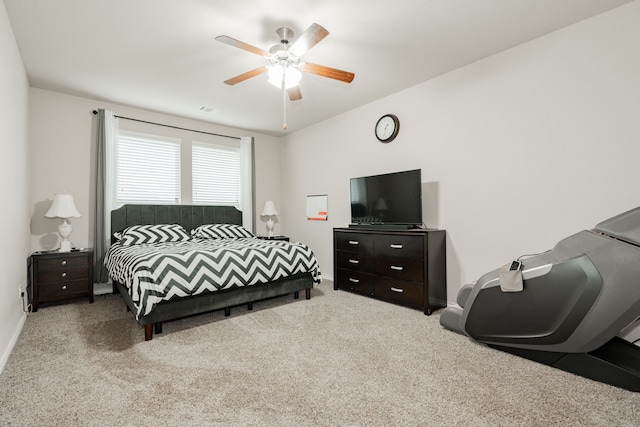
x=58 y=276
x=404 y=267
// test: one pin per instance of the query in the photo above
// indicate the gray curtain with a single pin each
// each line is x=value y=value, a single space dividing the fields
x=100 y=274
x=247 y=179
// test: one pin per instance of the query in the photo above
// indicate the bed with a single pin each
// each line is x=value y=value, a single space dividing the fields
x=173 y=261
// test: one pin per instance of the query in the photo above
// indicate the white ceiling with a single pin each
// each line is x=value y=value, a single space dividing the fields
x=161 y=54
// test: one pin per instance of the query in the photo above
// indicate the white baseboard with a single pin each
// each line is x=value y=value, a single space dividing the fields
x=12 y=343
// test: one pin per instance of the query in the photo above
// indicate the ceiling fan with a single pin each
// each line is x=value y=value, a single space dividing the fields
x=284 y=61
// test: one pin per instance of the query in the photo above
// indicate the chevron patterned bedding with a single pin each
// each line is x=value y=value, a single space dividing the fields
x=156 y=272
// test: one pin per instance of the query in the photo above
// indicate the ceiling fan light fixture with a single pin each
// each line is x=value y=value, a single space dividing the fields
x=285 y=68
x=279 y=74
x=292 y=77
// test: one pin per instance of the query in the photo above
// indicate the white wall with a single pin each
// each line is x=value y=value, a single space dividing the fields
x=63 y=130
x=517 y=151
x=14 y=217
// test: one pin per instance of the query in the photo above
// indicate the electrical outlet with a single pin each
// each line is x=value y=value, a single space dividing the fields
x=21 y=292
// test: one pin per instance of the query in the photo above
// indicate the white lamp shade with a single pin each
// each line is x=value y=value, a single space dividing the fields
x=63 y=207
x=291 y=76
x=269 y=209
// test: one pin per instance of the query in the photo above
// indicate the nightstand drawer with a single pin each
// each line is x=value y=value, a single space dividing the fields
x=400 y=246
x=63 y=289
x=62 y=274
x=63 y=263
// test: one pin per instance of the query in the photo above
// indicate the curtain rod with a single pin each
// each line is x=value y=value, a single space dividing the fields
x=170 y=126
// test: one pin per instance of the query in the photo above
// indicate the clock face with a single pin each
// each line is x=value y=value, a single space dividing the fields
x=387 y=128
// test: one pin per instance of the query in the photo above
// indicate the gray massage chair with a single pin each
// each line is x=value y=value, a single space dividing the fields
x=578 y=308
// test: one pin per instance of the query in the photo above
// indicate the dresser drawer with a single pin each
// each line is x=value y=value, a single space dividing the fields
x=400 y=268
x=354 y=242
x=357 y=261
x=400 y=291
x=62 y=274
x=399 y=246
x=61 y=290
x=63 y=263
x=355 y=281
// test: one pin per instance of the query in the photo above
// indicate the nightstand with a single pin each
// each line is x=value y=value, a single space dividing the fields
x=284 y=238
x=60 y=275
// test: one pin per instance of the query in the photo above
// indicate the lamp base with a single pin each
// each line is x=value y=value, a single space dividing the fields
x=270 y=224
x=65 y=246
x=64 y=230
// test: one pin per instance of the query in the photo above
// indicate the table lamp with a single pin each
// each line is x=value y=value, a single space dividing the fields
x=63 y=207
x=269 y=211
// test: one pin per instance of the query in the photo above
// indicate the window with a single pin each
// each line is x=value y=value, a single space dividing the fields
x=152 y=169
x=215 y=174
x=147 y=169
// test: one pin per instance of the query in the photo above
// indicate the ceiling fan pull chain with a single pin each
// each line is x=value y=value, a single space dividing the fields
x=284 y=103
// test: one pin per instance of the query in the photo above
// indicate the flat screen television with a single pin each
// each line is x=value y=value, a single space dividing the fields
x=392 y=200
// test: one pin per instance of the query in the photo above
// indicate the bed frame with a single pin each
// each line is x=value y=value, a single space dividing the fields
x=190 y=217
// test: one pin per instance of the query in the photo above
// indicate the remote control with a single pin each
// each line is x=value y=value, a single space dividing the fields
x=515 y=265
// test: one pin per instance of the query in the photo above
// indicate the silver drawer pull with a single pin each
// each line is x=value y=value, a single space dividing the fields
x=354 y=242
x=354 y=261
x=64 y=274
x=64 y=287
x=396 y=246
x=352 y=280
x=64 y=262
x=400 y=290
x=397 y=267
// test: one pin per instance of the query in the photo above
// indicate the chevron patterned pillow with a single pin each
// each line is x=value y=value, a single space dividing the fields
x=221 y=231
x=148 y=233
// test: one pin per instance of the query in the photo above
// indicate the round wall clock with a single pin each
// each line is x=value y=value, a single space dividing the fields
x=387 y=128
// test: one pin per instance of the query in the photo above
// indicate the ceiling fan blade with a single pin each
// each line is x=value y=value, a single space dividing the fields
x=311 y=37
x=242 y=45
x=294 y=93
x=244 y=76
x=332 y=73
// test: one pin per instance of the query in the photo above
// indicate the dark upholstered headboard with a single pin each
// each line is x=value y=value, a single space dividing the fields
x=189 y=216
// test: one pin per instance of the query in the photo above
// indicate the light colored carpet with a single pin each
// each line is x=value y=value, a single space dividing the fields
x=336 y=360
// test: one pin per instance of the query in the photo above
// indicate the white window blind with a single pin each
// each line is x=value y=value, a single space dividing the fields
x=148 y=169
x=215 y=174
